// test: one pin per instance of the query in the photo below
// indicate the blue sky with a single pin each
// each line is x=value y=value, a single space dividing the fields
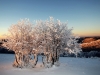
x=82 y=15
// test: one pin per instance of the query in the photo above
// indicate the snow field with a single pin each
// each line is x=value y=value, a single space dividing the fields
x=68 y=66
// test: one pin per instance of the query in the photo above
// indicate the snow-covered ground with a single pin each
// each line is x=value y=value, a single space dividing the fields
x=68 y=66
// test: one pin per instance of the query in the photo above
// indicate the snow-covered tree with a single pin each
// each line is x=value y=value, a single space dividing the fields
x=55 y=38
x=20 y=40
x=49 y=37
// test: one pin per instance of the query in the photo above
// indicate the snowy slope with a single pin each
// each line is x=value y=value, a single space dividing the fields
x=68 y=66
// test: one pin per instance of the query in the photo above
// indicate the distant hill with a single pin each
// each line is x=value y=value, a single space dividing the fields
x=93 y=45
x=83 y=39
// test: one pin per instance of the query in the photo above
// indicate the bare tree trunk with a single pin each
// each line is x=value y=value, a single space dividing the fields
x=18 y=59
x=15 y=64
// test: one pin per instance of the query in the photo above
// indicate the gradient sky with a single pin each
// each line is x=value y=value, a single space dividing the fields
x=82 y=15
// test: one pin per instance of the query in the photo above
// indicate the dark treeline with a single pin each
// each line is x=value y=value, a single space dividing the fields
x=82 y=54
x=4 y=50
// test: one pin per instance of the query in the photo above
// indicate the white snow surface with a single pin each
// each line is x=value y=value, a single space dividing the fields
x=68 y=66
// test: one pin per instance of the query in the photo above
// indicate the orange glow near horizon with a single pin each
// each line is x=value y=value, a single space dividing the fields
x=83 y=32
x=2 y=35
x=88 y=34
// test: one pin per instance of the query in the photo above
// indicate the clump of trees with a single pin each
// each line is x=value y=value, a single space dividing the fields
x=49 y=37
